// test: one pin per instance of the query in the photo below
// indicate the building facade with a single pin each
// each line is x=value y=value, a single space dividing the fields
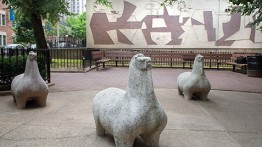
x=77 y=6
x=6 y=31
x=186 y=24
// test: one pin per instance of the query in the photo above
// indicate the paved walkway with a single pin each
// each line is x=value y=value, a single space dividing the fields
x=229 y=118
x=163 y=78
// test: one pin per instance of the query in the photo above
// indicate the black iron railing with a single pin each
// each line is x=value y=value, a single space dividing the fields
x=13 y=60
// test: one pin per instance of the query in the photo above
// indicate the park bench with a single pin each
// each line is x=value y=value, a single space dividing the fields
x=122 y=57
x=98 y=57
x=210 y=59
x=234 y=64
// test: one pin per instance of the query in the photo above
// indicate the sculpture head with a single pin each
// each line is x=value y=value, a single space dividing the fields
x=199 y=58
x=32 y=56
x=141 y=62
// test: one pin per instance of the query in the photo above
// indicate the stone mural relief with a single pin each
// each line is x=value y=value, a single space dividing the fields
x=147 y=24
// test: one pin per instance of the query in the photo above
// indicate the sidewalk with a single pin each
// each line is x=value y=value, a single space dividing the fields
x=229 y=118
x=163 y=78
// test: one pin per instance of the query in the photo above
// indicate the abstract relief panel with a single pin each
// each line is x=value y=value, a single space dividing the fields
x=186 y=24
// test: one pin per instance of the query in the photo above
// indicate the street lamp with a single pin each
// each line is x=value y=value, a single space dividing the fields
x=66 y=40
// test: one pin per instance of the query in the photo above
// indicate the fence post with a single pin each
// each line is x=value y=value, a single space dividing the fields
x=48 y=65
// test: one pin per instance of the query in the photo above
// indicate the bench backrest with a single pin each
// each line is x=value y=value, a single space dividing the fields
x=96 y=55
x=167 y=55
x=235 y=56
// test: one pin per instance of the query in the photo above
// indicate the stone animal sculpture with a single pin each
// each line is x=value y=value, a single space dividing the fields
x=29 y=85
x=132 y=113
x=195 y=83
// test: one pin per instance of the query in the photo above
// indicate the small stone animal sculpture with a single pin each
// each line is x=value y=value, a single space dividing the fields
x=195 y=83
x=132 y=113
x=29 y=85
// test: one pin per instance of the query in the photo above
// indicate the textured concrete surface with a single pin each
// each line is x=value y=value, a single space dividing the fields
x=194 y=83
x=163 y=78
x=133 y=113
x=228 y=118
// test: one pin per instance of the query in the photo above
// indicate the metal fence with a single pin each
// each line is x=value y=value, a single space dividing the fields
x=65 y=42
x=13 y=60
x=80 y=59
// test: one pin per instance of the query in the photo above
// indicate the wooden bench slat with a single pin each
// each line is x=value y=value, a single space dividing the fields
x=98 y=57
x=210 y=58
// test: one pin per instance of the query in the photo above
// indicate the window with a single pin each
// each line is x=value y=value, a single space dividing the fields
x=2 y=40
x=3 y=20
x=1 y=44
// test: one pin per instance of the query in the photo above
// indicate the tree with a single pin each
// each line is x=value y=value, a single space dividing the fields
x=168 y=2
x=35 y=11
x=248 y=7
x=77 y=25
x=23 y=30
x=51 y=29
x=104 y=2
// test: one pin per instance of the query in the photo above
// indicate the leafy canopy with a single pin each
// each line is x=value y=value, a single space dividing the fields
x=46 y=9
x=23 y=30
x=104 y=2
x=77 y=25
x=248 y=7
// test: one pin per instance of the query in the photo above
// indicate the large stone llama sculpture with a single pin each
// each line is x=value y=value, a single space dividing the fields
x=194 y=83
x=132 y=113
x=29 y=85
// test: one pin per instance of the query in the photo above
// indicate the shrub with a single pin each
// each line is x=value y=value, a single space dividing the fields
x=12 y=66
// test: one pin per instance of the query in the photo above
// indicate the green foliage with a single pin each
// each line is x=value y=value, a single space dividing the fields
x=23 y=30
x=168 y=2
x=104 y=2
x=46 y=9
x=77 y=25
x=248 y=7
x=12 y=66
x=36 y=11
x=51 y=30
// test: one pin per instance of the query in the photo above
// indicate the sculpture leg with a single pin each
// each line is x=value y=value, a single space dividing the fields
x=180 y=92
x=124 y=141
x=14 y=99
x=21 y=102
x=151 y=140
x=41 y=101
x=188 y=95
x=203 y=96
x=99 y=129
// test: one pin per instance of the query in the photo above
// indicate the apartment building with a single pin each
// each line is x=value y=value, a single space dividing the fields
x=77 y=6
x=6 y=31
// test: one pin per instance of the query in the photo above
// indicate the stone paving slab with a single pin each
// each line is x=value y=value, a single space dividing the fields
x=163 y=78
x=227 y=119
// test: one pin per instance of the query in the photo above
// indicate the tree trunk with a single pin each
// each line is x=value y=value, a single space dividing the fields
x=38 y=31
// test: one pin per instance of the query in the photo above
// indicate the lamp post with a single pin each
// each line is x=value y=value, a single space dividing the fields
x=57 y=35
x=66 y=40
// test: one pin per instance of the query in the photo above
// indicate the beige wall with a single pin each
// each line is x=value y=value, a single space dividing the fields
x=187 y=24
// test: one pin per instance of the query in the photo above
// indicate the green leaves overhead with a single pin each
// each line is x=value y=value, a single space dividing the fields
x=104 y=2
x=77 y=25
x=37 y=10
x=23 y=30
x=46 y=9
x=249 y=8
x=168 y=2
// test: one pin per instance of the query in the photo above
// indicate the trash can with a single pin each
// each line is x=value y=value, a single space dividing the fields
x=254 y=66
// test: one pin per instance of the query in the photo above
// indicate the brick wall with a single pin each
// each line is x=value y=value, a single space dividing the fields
x=8 y=26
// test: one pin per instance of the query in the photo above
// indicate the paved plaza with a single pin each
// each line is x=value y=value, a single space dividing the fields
x=232 y=116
